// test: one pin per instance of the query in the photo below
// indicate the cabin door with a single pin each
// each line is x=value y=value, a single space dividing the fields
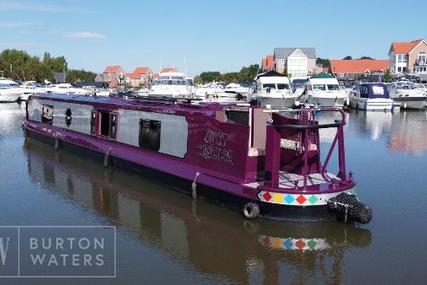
x=106 y=123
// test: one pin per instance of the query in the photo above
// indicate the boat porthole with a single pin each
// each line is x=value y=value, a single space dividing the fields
x=68 y=117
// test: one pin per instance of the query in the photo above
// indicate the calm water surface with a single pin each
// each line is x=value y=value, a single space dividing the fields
x=164 y=237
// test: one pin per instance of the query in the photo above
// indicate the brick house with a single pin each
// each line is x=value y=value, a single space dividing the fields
x=267 y=63
x=408 y=57
x=168 y=69
x=352 y=69
x=140 y=76
x=114 y=75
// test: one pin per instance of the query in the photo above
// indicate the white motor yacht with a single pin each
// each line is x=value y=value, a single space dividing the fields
x=31 y=88
x=171 y=84
x=273 y=90
x=67 y=89
x=324 y=90
x=370 y=97
x=9 y=90
x=407 y=95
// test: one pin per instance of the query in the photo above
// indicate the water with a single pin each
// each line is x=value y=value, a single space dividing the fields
x=164 y=237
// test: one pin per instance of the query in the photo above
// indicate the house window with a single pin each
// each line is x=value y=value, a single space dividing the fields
x=402 y=58
x=149 y=134
x=108 y=124
x=47 y=114
x=422 y=58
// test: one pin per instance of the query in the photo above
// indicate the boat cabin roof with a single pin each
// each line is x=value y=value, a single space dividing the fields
x=323 y=81
x=273 y=79
x=160 y=105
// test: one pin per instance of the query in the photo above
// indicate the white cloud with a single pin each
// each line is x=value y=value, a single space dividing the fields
x=36 y=7
x=85 y=36
x=14 y=25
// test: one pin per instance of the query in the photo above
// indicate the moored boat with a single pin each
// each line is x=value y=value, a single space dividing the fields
x=9 y=90
x=324 y=90
x=265 y=163
x=407 y=95
x=273 y=90
x=370 y=97
x=172 y=84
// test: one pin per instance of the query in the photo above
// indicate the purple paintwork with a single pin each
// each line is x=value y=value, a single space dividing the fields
x=218 y=151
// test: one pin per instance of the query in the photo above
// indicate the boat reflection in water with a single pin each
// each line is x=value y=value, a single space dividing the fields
x=376 y=124
x=214 y=240
x=10 y=115
x=403 y=131
x=409 y=132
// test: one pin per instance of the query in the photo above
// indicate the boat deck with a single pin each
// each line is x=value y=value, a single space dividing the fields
x=291 y=180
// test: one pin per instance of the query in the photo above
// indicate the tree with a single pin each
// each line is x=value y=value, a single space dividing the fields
x=80 y=75
x=348 y=57
x=230 y=77
x=285 y=72
x=388 y=76
x=56 y=64
x=198 y=80
x=365 y=57
x=210 y=76
x=248 y=73
x=324 y=62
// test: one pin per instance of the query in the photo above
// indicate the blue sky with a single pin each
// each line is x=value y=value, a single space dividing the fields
x=220 y=35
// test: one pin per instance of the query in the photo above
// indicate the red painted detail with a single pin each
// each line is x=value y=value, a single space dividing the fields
x=267 y=196
x=301 y=199
x=300 y=244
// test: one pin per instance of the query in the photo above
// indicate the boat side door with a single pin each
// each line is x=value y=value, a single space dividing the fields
x=104 y=123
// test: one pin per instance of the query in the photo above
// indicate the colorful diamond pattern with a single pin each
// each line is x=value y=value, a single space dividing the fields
x=311 y=244
x=266 y=196
x=289 y=199
x=313 y=199
x=288 y=244
x=301 y=199
x=277 y=197
x=300 y=244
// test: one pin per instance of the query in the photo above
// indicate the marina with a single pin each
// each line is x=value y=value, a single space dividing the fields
x=174 y=233
x=212 y=142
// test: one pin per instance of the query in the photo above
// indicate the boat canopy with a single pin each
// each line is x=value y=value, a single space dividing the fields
x=374 y=90
x=323 y=75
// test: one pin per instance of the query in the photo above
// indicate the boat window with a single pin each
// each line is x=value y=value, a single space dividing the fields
x=47 y=114
x=108 y=124
x=269 y=85
x=319 y=87
x=68 y=118
x=282 y=86
x=149 y=134
x=237 y=116
x=333 y=87
x=377 y=90
x=92 y=122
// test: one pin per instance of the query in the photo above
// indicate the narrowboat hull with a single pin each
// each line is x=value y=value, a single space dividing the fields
x=289 y=206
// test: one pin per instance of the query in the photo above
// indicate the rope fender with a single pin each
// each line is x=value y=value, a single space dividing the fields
x=349 y=208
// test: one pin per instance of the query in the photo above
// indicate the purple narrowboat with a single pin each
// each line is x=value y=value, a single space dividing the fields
x=259 y=160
